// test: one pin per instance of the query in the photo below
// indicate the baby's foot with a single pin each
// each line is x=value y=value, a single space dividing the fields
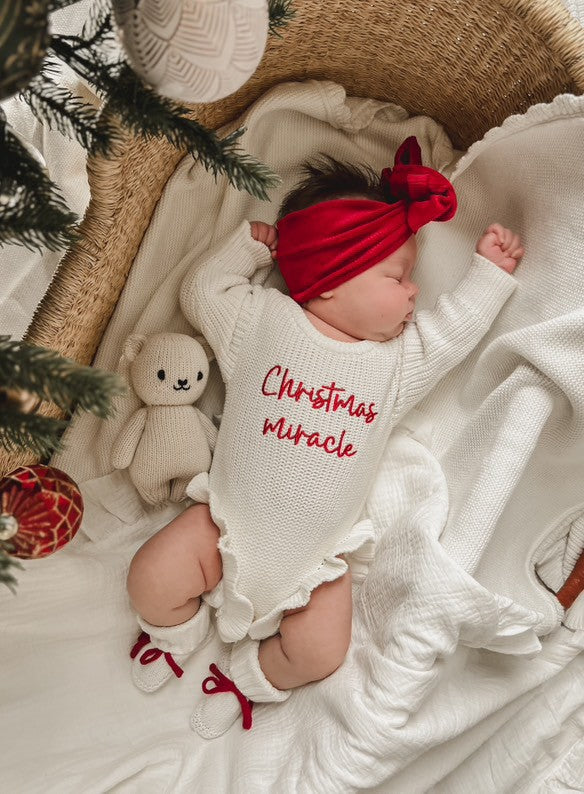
x=161 y=651
x=223 y=704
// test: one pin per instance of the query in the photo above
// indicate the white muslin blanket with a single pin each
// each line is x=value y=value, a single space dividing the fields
x=479 y=485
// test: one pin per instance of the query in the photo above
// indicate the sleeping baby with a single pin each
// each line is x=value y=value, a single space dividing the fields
x=315 y=382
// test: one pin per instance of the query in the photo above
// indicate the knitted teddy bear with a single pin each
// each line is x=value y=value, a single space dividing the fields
x=167 y=441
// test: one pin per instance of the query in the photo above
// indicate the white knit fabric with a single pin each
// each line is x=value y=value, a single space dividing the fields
x=217 y=711
x=449 y=723
x=149 y=673
x=293 y=463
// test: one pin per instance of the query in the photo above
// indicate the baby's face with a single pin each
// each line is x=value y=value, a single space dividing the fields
x=378 y=303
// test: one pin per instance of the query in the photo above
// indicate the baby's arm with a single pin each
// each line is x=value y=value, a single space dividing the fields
x=441 y=339
x=214 y=292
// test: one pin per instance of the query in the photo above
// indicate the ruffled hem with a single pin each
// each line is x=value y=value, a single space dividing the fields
x=235 y=612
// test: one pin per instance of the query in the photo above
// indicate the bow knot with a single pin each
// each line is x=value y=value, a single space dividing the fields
x=218 y=682
x=152 y=654
x=427 y=194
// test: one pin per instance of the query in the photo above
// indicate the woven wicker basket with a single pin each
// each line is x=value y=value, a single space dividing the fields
x=466 y=63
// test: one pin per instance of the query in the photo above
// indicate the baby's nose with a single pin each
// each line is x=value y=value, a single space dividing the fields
x=414 y=289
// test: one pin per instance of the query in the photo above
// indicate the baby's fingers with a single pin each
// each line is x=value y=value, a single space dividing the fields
x=497 y=230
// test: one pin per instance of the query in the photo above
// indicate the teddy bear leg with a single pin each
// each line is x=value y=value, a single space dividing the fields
x=178 y=489
x=154 y=493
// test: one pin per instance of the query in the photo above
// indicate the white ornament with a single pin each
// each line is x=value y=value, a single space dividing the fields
x=193 y=50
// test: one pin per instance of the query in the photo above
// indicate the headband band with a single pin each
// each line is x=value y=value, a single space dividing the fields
x=323 y=246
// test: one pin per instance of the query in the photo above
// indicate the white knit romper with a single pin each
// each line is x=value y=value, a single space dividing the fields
x=305 y=423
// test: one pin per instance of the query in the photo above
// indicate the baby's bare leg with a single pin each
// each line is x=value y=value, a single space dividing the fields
x=313 y=641
x=172 y=569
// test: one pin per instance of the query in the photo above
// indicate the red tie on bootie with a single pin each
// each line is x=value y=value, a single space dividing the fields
x=152 y=654
x=221 y=683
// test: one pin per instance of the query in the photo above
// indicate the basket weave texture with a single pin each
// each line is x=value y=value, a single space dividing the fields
x=468 y=64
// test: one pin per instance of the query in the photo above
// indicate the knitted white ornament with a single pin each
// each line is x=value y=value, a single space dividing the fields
x=193 y=50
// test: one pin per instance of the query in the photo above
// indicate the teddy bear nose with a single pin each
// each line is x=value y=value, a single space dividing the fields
x=183 y=383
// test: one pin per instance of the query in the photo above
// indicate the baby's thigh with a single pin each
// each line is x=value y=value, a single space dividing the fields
x=182 y=555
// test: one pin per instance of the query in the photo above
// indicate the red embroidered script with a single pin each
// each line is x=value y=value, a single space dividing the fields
x=328 y=398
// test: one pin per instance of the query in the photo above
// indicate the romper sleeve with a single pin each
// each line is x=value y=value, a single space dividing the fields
x=218 y=294
x=442 y=338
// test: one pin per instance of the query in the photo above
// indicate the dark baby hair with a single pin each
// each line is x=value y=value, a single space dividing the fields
x=325 y=179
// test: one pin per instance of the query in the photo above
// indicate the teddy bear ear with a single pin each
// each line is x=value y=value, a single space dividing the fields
x=132 y=346
x=206 y=347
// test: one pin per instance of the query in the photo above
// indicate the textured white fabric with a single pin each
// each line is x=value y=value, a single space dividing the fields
x=219 y=710
x=68 y=633
x=292 y=466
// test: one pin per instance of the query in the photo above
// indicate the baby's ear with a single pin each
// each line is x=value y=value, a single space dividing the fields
x=132 y=346
x=206 y=347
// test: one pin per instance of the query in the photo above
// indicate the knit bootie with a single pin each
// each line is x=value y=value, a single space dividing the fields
x=235 y=683
x=161 y=650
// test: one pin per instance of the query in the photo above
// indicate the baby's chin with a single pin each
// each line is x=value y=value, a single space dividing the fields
x=387 y=336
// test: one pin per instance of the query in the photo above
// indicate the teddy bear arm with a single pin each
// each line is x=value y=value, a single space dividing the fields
x=125 y=446
x=209 y=429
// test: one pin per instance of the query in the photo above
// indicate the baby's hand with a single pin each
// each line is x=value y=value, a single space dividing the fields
x=266 y=234
x=501 y=246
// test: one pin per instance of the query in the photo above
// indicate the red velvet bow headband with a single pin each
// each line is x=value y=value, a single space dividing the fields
x=322 y=246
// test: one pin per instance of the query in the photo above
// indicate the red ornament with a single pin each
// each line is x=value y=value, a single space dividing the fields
x=41 y=510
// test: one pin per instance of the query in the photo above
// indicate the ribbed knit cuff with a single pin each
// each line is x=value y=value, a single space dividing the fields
x=249 y=677
x=485 y=288
x=182 y=638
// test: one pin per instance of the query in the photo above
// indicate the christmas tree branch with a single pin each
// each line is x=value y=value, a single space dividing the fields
x=151 y=115
x=32 y=212
x=60 y=380
x=281 y=12
x=62 y=110
x=6 y=564
x=39 y=434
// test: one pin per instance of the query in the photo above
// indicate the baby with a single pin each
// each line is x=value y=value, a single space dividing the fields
x=315 y=383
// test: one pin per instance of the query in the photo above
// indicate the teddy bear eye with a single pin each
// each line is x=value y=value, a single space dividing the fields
x=161 y=374
x=199 y=375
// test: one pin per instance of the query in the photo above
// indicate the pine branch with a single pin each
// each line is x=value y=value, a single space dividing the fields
x=98 y=23
x=151 y=115
x=32 y=212
x=281 y=13
x=6 y=563
x=39 y=434
x=60 y=380
x=70 y=115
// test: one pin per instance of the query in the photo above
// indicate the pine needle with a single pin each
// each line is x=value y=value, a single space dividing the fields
x=52 y=377
x=57 y=107
x=6 y=564
x=281 y=13
x=32 y=211
x=19 y=431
